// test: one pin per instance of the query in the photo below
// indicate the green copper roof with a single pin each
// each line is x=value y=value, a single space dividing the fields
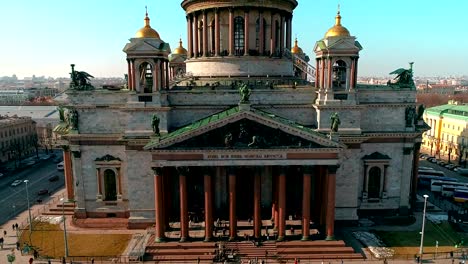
x=450 y=110
x=226 y=114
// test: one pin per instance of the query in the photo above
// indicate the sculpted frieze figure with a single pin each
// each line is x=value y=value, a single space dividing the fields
x=245 y=92
x=155 y=125
x=335 y=122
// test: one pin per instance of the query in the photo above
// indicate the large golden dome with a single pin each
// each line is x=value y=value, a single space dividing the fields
x=180 y=50
x=337 y=30
x=296 y=49
x=147 y=31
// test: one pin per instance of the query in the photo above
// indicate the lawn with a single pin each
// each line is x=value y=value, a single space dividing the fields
x=49 y=240
x=408 y=242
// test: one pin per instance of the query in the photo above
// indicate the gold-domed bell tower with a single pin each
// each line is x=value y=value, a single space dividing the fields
x=148 y=62
x=177 y=62
x=336 y=63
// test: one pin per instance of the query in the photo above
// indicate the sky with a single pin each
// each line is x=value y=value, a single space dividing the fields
x=44 y=37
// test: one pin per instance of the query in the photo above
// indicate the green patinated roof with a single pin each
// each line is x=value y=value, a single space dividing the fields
x=226 y=114
x=450 y=110
x=321 y=44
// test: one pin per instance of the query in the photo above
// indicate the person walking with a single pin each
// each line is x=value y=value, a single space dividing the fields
x=16 y=226
x=31 y=260
x=4 y=232
x=13 y=226
x=1 y=242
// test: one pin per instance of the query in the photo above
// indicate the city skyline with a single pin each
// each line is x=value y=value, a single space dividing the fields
x=46 y=39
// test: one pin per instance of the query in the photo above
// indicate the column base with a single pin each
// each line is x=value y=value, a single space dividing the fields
x=184 y=239
x=280 y=238
x=232 y=239
x=208 y=239
x=305 y=238
x=330 y=238
x=160 y=239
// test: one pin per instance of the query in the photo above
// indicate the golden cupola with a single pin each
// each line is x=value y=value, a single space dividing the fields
x=147 y=31
x=296 y=49
x=180 y=50
x=337 y=30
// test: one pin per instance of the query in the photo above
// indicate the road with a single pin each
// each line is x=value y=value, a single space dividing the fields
x=13 y=199
x=443 y=203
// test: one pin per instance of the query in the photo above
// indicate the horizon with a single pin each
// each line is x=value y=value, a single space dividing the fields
x=57 y=35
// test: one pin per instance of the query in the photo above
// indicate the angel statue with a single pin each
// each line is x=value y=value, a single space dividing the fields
x=155 y=125
x=335 y=122
x=80 y=80
x=404 y=77
x=245 y=92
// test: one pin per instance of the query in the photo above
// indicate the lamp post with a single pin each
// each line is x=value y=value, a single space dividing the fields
x=64 y=227
x=422 y=230
x=29 y=210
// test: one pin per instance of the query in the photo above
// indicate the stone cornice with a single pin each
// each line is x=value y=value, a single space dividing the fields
x=289 y=150
x=337 y=107
x=198 y=5
x=387 y=104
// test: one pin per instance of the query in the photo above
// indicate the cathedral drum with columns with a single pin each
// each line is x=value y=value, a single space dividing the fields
x=240 y=126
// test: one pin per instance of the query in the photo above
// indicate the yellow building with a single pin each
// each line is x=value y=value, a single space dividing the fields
x=448 y=136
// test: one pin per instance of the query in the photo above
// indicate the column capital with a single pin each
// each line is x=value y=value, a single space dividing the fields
x=76 y=154
x=157 y=170
x=308 y=169
x=183 y=170
x=332 y=169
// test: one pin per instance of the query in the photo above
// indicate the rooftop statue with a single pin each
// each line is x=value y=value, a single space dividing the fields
x=80 y=80
x=155 y=125
x=245 y=92
x=404 y=78
x=335 y=122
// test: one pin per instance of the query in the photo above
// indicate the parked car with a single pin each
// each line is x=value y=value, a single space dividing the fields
x=1 y=175
x=450 y=166
x=462 y=171
x=425 y=168
x=16 y=183
x=43 y=192
x=54 y=178
x=430 y=157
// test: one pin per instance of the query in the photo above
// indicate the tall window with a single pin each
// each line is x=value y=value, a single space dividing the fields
x=373 y=186
x=110 y=186
x=239 y=36
x=258 y=37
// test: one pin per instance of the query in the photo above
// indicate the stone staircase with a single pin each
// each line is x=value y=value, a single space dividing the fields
x=247 y=250
x=315 y=250
x=176 y=252
x=68 y=209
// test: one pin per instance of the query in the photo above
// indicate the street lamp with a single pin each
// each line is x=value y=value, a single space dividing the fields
x=64 y=227
x=422 y=230
x=29 y=210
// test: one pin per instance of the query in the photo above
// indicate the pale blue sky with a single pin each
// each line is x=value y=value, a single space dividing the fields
x=44 y=37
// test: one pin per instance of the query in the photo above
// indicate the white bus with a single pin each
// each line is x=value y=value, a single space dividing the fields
x=60 y=166
x=436 y=185
x=448 y=190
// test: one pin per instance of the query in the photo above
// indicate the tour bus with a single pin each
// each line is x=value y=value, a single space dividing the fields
x=448 y=190
x=431 y=173
x=426 y=180
x=436 y=185
x=460 y=195
x=60 y=166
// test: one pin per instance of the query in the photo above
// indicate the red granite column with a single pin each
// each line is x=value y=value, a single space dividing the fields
x=307 y=177
x=184 y=222
x=246 y=33
x=322 y=73
x=331 y=186
x=68 y=174
x=351 y=83
x=189 y=36
x=282 y=205
x=205 y=35
x=208 y=207
x=329 y=79
x=158 y=205
x=232 y=206
x=257 y=201
x=217 y=38
x=196 y=48
x=275 y=205
x=288 y=32
x=231 y=32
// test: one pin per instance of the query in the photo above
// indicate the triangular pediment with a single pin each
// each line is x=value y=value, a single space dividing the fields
x=153 y=45
x=243 y=129
x=342 y=44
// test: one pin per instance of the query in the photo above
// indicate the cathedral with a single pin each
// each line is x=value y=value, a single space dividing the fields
x=241 y=125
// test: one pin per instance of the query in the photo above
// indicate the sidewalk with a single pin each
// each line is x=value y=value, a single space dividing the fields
x=9 y=244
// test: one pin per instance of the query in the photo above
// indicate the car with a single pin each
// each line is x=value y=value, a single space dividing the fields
x=43 y=192
x=425 y=168
x=54 y=178
x=16 y=183
x=462 y=171
x=1 y=175
x=450 y=166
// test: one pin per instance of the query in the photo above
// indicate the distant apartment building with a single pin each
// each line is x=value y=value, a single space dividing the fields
x=448 y=136
x=18 y=137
